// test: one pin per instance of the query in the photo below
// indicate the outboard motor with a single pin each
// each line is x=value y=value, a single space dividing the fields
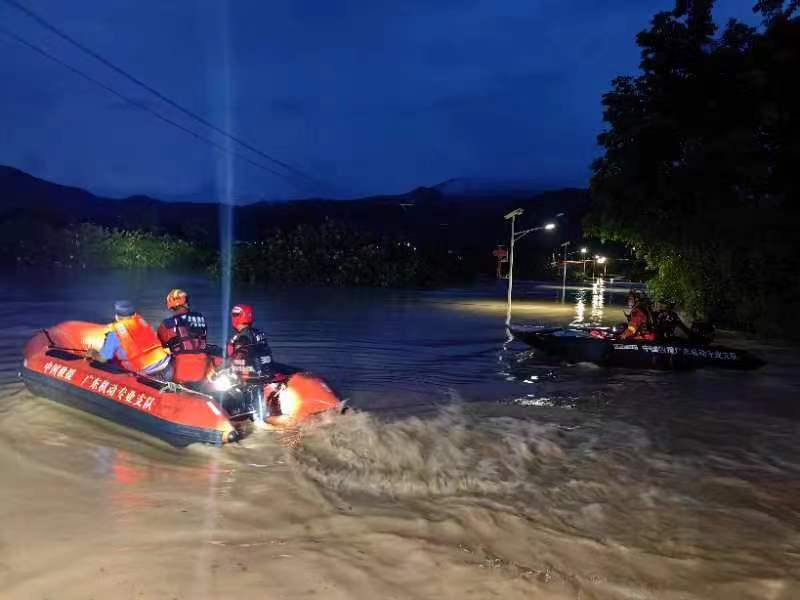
x=278 y=400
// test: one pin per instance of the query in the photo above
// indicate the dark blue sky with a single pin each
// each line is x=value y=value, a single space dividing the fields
x=372 y=96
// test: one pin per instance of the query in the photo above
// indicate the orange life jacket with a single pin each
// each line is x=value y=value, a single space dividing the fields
x=190 y=368
x=640 y=325
x=140 y=343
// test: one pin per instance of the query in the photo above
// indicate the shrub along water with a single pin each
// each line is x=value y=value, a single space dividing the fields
x=331 y=253
x=86 y=245
x=699 y=171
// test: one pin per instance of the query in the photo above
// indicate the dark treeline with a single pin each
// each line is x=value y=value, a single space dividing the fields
x=331 y=253
x=700 y=169
x=339 y=254
x=422 y=238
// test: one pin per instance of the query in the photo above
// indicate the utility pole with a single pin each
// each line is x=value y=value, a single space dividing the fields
x=564 y=280
x=515 y=235
x=513 y=216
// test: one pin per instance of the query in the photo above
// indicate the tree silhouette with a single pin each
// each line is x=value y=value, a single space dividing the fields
x=699 y=170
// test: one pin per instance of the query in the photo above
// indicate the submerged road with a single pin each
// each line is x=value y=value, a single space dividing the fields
x=473 y=469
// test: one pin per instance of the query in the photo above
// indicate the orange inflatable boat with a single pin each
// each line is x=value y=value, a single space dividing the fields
x=54 y=366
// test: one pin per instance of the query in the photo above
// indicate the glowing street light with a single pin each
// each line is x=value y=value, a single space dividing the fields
x=515 y=235
x=602 y=260
x=584 y=250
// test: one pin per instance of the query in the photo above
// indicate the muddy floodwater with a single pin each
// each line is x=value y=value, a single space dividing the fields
x=471 y=468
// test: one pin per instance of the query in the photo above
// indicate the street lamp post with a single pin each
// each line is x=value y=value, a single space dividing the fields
x=513 y=216
x=516 y=235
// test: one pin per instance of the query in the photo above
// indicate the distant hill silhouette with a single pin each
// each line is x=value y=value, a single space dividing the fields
x=474 y=187
x=470 y=223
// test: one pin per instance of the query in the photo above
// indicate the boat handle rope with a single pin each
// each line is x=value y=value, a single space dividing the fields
x=172 y=387
x=51 y=344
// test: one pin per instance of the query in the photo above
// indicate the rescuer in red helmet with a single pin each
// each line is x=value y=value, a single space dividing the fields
x=248 y=351
x=185 y=335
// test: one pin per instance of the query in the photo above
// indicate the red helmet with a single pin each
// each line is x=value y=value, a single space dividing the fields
x=242 y=315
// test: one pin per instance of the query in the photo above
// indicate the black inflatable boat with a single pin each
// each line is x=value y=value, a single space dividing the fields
x=582 y=345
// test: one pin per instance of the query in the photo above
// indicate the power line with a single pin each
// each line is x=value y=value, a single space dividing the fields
x=136 y=103
x=44 y=23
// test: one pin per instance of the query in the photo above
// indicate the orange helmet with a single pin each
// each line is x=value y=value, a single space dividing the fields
x=177 y=298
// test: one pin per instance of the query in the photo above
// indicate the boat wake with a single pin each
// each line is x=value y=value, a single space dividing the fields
x=541 y=494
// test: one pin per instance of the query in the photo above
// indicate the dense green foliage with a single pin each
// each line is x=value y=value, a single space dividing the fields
x=330 y=253
x=26 y=242
x=336 y=254
x=699 y=171
x=326 y=254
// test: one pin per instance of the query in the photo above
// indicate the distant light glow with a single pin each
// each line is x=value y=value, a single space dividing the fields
x=550 y=226
x=584 y=250
x=601 y=259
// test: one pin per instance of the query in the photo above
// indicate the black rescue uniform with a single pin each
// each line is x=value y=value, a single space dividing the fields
x=249 y=354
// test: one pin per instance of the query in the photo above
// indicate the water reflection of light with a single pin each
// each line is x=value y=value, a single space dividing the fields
x=598 y=295
x=530 y=307
x=580 y=307
x=132 y=477
x=125 y=474
x=541 y=311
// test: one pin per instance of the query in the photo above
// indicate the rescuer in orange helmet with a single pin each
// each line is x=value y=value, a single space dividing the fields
x=185 y=335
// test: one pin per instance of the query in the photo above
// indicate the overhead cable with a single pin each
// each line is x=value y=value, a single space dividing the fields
x=137 y=104
x=52 y=28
